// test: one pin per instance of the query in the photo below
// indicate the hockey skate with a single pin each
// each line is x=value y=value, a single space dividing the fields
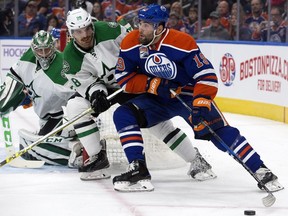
x=200 y=169
x=96 y=166
x=136 y=179
x=268 y=179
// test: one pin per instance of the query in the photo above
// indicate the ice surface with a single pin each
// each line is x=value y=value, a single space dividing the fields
x=59 y=191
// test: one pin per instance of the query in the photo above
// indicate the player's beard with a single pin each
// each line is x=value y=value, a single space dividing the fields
x=145 y=39
x=87 y=41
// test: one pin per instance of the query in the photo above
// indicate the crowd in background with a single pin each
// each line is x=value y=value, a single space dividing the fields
x=251 y=20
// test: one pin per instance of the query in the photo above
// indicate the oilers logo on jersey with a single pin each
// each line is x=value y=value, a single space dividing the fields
x=159 y=65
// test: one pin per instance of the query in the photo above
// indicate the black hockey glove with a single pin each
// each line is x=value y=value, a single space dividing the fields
x=99 y=102
x=161 y=87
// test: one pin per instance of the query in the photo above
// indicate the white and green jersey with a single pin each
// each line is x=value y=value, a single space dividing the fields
x=95 y=69
x=48 y=89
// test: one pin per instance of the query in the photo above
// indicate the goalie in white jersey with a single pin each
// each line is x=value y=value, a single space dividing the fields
x=38 y=77
x=89 y=62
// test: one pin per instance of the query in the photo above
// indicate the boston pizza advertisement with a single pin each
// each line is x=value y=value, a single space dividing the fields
x=250 y=72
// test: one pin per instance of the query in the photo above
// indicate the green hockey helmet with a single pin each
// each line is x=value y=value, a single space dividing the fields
x=43 y=47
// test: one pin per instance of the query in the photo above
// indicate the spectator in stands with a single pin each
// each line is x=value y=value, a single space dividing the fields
x=121 y=8
x=215 y=31
x=191 y=22
x=7 y=22
x=21 y=5
x=245 y=34
x=29 y=22
x=43 y=6
x=176 y=7
x=224 y=13
x=52 y=22
x=4 y=23
x=246 y=4
x=279 y=3
x=257 y=20
x=58 y=9
x=278 y=30
x=97 y=11
x=175 y=23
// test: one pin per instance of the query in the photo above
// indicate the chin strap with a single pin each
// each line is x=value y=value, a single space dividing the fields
x=154 y=36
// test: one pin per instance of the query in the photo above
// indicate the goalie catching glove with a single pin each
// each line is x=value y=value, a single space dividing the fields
x=161 y=87
x=99 y=102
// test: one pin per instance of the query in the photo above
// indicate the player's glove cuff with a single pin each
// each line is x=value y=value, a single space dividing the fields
x=202 y=102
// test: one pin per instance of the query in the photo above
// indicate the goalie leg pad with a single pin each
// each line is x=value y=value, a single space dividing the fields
x=54 y=150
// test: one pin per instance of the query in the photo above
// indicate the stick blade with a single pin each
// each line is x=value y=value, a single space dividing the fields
x=269 y=200
x=21 y=163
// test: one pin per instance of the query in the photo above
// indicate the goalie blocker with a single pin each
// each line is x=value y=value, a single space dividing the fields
x=55 y=150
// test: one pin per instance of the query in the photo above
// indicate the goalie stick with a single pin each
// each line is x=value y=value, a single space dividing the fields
x=74 y=119
x=267 y=201
x=10 y=150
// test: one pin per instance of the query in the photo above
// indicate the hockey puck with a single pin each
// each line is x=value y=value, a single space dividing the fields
x=249 y=212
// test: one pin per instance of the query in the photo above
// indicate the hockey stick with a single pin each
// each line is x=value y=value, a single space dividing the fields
x=10 y=150
x=74 y=119
x=128 y=13
x=267 y=201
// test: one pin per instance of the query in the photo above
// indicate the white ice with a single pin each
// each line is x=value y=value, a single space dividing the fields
x=59 y=191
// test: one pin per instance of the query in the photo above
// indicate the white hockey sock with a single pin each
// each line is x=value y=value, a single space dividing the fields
x=175 y=139
x=89 y=136
x=181 y=145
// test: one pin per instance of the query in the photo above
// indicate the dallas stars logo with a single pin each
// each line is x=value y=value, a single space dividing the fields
x=108 y=74
x=31 y=92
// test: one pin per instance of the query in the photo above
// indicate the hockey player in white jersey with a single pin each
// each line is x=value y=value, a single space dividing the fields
x=89 y=61
x=38 y=77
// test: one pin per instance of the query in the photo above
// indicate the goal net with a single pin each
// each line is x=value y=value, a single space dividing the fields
x=158 y=154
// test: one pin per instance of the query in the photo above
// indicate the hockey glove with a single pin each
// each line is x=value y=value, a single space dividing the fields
x=200 y=112
x=161 y=87
x=99 y=102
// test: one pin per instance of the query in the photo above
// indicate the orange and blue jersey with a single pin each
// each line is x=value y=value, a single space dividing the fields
x=175 y=57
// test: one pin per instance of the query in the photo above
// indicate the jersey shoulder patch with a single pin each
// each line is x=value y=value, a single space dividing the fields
x=73 y=58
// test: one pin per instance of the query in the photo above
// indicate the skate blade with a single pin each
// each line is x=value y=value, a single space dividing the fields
x=140 y=186
x=96 y=175
x=204 y=176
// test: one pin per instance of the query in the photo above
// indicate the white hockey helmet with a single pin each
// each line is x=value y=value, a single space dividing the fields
x=77 y=19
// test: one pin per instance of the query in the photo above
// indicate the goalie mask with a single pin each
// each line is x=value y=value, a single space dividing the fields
x=43 y=47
